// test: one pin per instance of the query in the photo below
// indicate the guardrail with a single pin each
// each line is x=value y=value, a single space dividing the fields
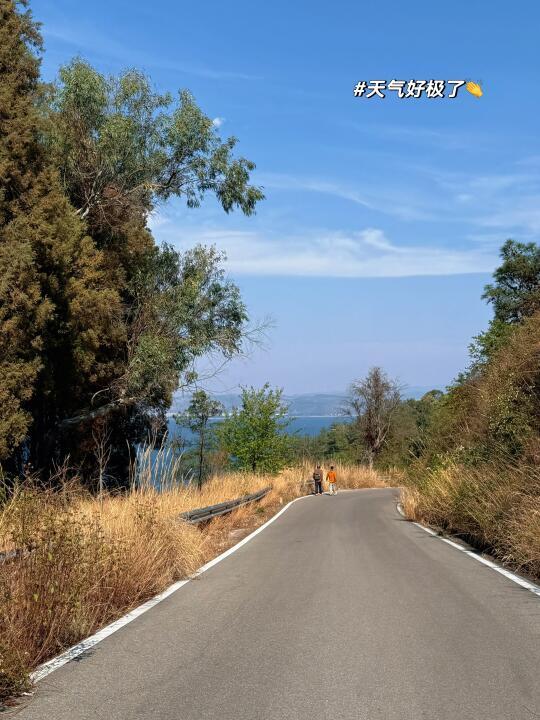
x=194 y=517
x=12 y=555
x=211 y=511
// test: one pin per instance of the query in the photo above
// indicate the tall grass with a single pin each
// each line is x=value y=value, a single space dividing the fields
x=494 y=506
x=87 y=560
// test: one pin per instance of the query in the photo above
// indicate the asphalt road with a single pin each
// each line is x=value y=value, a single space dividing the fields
x=338 y=610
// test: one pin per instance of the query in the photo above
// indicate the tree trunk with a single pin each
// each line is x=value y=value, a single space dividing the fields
x=370 y=458
x=201 y=458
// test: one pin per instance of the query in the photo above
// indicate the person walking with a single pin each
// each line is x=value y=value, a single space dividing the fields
x=331 y=479
x=317 y=480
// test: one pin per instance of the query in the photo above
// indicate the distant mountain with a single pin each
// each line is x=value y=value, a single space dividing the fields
x=304 y=405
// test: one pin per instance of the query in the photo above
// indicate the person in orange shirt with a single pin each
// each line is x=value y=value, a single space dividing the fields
x=331 y=479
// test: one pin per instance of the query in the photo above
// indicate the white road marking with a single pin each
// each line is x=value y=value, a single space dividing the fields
x=480 y=558
x=51 y=665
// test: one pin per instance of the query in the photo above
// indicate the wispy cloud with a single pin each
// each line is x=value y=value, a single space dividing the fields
x=443 y=138
x=509 y=202
x=96 y=43
x=281 y=181
x=366 y=253
x=384 y=200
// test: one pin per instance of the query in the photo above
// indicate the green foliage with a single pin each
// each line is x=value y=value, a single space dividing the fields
x=338 y=443
x=183 y=308
x=515 y=292
x=196 y=417
x=23 y=309
x=254 y=434
x=407 y=438
x=486 y=344
x=96 y=322
x=490 y=415
x=118 y=141
x=49 y=271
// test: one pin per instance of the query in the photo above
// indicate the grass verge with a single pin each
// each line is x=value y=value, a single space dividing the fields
x=494 y=507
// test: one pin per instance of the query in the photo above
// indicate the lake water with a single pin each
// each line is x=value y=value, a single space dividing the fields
x=310 y=425
x=159 y=464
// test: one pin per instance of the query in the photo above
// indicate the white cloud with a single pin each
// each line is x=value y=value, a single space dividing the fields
x=507 y=202
x=366 y=253
x=401 y=205
x=218 y=122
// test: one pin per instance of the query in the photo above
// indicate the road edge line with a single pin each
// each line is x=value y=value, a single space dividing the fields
x=83 y=646
x=527 y=584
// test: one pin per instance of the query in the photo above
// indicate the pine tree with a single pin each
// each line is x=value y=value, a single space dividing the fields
x=24 y=311
x=53 y=301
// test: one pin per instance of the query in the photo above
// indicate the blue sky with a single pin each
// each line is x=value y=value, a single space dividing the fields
x=383 y=218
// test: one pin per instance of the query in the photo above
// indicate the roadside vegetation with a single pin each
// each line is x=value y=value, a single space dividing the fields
x=87 y=560
x=476 y=471
x=470 y=456
x=98 y=323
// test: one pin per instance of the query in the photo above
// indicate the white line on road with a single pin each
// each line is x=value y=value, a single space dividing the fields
x=476 y=556
x=85 y=645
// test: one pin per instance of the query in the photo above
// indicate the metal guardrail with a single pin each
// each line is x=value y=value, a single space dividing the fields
x=194 y=517
x=211 y=511
x=12 y=555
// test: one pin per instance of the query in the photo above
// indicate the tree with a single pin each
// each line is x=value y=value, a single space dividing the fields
x=254 y=435
x=121 y=149
x=196 y=417
x=515 y=294
x=121 y=145
x=97 y=323
x=23 y=309
x=373 y=403
x=49 y=270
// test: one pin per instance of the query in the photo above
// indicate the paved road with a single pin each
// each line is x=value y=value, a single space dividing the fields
x=338 y=610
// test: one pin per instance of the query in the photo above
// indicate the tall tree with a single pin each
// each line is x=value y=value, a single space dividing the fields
x=197 y=417
x=121 y=145
x=373 y=403
x=254 y=434
x=121 y=149
x=96 y=322
x=514 y=294
x=48 y=268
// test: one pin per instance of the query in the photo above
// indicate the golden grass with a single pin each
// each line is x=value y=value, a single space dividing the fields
x=496 y=507
x=92 y=559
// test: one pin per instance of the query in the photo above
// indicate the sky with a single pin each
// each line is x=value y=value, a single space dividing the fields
x=383 y=218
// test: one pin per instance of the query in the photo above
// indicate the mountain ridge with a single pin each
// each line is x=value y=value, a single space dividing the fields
x=300 y=404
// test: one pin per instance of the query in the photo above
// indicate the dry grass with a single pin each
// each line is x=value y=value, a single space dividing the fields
x=89 y=560
x=495 y=507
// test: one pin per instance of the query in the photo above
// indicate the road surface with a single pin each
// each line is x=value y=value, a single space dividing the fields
x=339 y=610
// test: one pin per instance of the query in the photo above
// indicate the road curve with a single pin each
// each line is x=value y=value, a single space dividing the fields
x=339 y=610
